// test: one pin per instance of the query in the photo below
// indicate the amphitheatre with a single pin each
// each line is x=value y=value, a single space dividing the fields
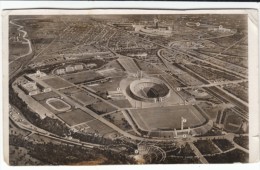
x=149 y=89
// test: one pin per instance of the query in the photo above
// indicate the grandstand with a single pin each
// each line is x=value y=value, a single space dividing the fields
x=149 y=90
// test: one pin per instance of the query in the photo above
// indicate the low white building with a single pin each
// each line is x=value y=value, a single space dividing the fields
x=60 y=71
x=29 y=88
x=78 y=67
x=118 y=95
x=69 y=69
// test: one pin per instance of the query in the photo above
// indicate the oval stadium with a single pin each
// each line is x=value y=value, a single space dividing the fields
x=58 y=104
x=149 y=90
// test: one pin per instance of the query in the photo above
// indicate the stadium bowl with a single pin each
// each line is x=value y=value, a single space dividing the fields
x=149 y=90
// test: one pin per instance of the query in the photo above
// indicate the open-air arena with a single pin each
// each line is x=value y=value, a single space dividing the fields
x=149 y=90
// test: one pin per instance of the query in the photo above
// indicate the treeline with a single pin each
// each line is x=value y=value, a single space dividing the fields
x=49 y=124
x=53 y=154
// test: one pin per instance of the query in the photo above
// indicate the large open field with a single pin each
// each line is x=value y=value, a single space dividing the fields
x=84 y=98
x=149 y=68
x=56 y=82
x=75 y=117
x=232 y=122
x=82 y=77
x=100 y=127
x=101 y=107
x=111 y=85
x=70 y=90
x=44 y=96
x=166 y=117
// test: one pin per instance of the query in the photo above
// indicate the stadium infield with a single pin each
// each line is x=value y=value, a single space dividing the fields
x=166 y=118
x=58 y=104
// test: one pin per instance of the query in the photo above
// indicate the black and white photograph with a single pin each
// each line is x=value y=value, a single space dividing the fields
x=111 y=87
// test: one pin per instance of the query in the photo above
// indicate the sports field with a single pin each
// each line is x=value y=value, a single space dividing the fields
x=82 y=77
x=100 y=127
x=49 y=107
x=56 y=82
x=70 y=90
x=58 y=104
x=111 y=85
x=101 y=107
x=148 y=68
x=232 y=122
x=166 y=117
x=44 y=96
x=84 y=98
x=75 y=117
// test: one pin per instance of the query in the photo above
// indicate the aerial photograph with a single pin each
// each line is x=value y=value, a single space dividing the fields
x=128 y=89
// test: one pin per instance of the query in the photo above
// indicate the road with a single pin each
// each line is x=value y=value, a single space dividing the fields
x=27 y=41
x=33 y=129
x=198 y=153
x=214 y=84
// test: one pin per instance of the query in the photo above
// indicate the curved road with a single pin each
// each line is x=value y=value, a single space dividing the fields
x=27 y=41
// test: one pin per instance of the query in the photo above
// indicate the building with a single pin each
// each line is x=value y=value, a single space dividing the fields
x=38 y=74
x=117 y=95
x=60 y=71
x=43 y=88
x=219 y=29
x=78 y=67
x=69 y=69
x=91 y=65
x=29 y=88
